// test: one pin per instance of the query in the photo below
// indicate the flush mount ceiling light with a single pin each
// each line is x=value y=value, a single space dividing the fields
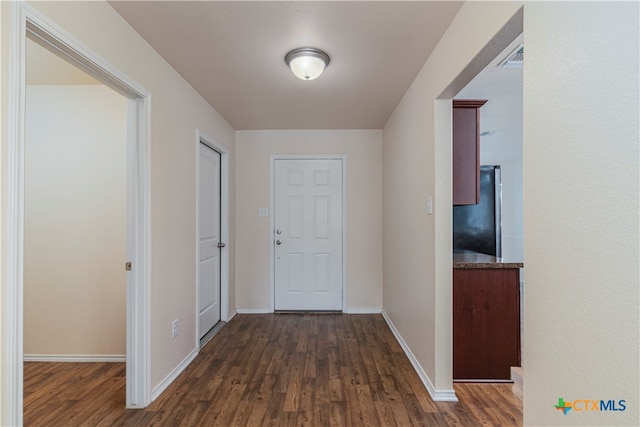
x=307 y=63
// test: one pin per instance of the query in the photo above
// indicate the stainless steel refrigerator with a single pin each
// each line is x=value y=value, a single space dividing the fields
x=477 y=228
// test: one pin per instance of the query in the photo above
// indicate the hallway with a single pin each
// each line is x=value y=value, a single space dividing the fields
x=272 y=370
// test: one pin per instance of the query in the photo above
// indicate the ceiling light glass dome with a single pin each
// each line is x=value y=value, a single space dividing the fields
x=307 y=63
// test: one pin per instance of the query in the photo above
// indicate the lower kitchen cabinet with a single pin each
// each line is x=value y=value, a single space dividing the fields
x=486 y=323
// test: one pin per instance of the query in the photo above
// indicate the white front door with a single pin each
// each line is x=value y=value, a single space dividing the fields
x=308 y=234
x=209 y=237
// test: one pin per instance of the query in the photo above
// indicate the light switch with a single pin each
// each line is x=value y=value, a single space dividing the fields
x=429 y=205
x=263 y=212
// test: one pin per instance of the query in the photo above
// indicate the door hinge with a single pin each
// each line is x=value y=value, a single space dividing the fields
x=127 y=266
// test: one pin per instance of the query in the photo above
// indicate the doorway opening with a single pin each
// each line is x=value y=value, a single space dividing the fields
x=75 y=225
x=24 y=21
x=501 y=145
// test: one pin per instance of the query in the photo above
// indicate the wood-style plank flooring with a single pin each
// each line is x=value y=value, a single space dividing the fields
x=272 y=370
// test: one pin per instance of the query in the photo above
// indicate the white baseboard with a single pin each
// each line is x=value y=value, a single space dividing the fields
x=253 y=311
x=363 y=311
x=436 y=395
x=157 y=391
x=232 y=314
x=75 y=358
x=348 y=311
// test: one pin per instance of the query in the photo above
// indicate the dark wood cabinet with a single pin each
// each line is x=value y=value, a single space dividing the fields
x=486 y=323
x=466 y=151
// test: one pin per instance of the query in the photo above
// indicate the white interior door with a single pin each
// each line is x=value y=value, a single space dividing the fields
x=308 y=234
x=209 y=238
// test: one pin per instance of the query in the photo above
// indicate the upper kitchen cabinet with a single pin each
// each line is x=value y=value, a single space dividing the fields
x=466 y=151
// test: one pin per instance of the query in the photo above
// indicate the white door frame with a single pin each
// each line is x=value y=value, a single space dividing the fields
x=272 y=270
x=202 y=138
x=23 y=19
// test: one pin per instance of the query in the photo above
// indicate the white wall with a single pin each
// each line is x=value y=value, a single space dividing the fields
x=176 y=111
x=505 y=149
x=581 y=187
x=364 y=200
x=417 y=164
x=75 y=221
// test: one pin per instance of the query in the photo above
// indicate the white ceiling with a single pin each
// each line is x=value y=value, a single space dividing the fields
x=232 y=53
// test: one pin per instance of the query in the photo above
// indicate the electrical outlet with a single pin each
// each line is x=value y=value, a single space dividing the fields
x=174 y=328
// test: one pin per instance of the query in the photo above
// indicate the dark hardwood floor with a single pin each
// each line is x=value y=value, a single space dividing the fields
x=272 y=370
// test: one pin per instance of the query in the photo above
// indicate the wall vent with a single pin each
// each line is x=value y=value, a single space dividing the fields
x=515 y=58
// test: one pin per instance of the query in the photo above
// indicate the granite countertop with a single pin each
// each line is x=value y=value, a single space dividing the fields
x=477 y=260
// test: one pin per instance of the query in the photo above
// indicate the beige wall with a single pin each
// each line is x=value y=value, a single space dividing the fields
x=581 y=191
x=176 y=111
x=417 y=246
x=75 y=221
x=364 y=222
x=581 y=203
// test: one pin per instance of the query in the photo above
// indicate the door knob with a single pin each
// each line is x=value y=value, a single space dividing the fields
x=278 y=231
x=278 y=242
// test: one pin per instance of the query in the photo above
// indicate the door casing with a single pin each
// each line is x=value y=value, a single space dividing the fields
x=273 y=159
x=25 y=20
